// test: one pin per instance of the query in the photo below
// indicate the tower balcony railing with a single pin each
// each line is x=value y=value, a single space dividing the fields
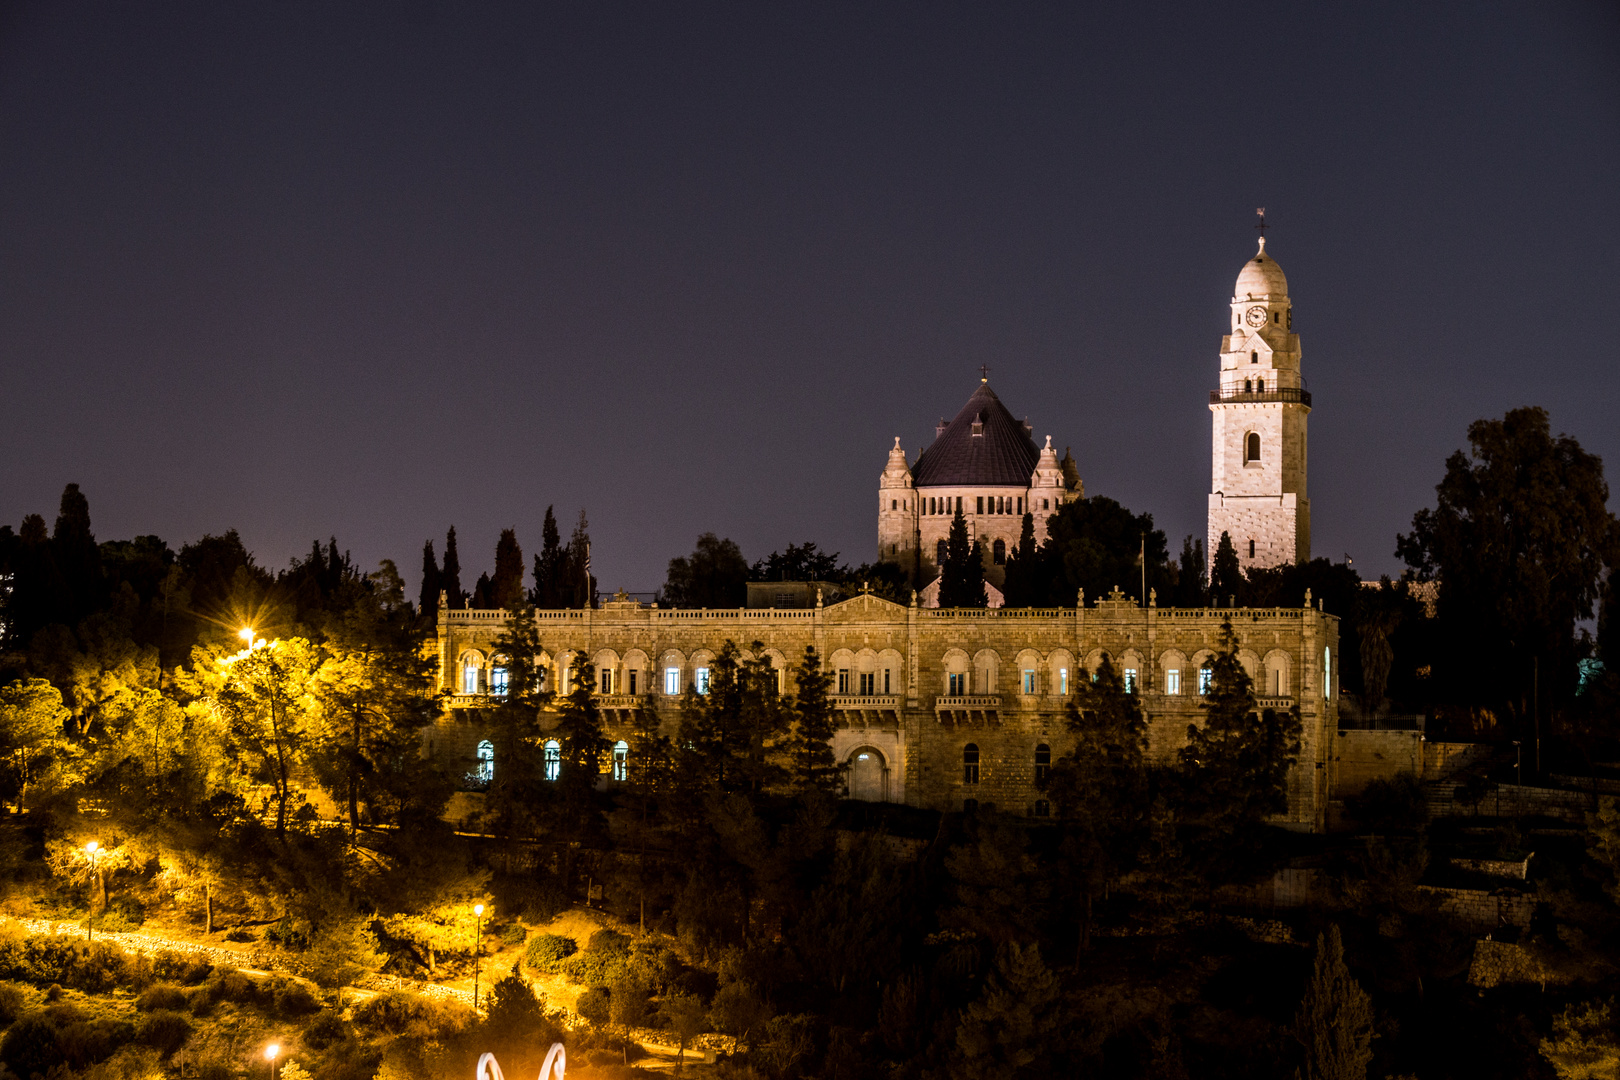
x=1226 y=394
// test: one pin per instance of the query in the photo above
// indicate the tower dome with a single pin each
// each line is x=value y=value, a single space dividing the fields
x=1261 y=278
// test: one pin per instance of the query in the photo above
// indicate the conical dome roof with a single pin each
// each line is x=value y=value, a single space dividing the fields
x=1000 y=454
x=1261 y=278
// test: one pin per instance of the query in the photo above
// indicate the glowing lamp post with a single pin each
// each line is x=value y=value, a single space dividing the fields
x=246 y=634
x=270 y=1054
x=478 y=946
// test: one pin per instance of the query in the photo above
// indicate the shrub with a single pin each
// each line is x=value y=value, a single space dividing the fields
x=596 y=968
x=325 y=1030
x=124 y=915
x=53 y=992
x=289 y=934
x=546 y=952
x=399 y=1013
x=172 y=966
x=164 y=996
x=228 y=986
x=84 y=1044
x=164 y=1031
x=11 y=1002
x=240 y=933
x=595 y=1005
x=609 y=941
x=31 y=1047
x=513 y=934
x=292 y=999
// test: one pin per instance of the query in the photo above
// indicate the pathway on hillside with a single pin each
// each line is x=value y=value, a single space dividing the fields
x=258 y=960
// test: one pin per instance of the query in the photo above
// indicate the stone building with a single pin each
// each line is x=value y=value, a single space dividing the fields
x=984 y=463
x=951 y=709
x=945 y=709
x=1257 y=486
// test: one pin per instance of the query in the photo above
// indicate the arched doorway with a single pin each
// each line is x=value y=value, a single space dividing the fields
x=868 y=776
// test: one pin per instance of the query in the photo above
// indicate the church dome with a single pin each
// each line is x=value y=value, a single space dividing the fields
x=1261 y=278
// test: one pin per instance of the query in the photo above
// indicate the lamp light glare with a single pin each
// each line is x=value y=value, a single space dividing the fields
x=478 y=909
x=90 y=848
x=271 y=1051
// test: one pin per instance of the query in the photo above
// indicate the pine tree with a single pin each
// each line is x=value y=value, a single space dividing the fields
x=428 y=599
x=450 y=576
x=1225 y=576
x=1008 y=1032
x=1234 y=768
x=77 y=559
x=973 y=592
x=577 y=587
x=1100 y=787
x=483 y=597
x=810 y=747
x=1334 y=1025
x=506 y=587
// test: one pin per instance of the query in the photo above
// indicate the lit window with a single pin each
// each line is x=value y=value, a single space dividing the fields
x=956 y=684
x=970 y=764
x=700 y=679
x=1172 y=681
x=1130 y=680
x=843 y=680
x=672 y=680
x=1206 y=675
x=1327 y=673
x=553 y=759
x=621 y=760
x=1043 y=763
x=486 y=762
x=1029 y=681
x=1063 y=680
x=497 y=681
x=868 y=683
x=604 y=680
x=469 y=678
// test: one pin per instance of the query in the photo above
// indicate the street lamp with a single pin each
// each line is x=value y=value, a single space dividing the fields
x=270 y=1053
x=246 y=634
x=92 y=852
x=478 y=946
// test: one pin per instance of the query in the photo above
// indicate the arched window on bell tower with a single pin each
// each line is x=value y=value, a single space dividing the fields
x=1251 y=447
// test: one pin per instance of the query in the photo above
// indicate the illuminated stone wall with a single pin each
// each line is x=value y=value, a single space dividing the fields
x=916 y=686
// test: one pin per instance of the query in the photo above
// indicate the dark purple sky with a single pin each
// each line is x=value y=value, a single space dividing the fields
x=374 y=269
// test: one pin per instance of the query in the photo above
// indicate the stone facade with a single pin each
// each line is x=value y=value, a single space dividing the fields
x=939 y=708
x=1258 y=426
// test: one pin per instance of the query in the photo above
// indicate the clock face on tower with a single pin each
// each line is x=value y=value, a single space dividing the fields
x=1256 y=316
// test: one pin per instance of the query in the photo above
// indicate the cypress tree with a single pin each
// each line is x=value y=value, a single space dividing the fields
x=548 y=565
x=963 y=570
x=810 y=745
x=1019 y=583
x=428 y=599
x=1334 y=1025
x=1225 y=576
x=577 y=587
x=1190 y=590
x=450 y=577
x=506 y=588
x=77 y=559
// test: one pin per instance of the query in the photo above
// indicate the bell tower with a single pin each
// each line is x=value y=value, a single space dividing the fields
x=1258 y=413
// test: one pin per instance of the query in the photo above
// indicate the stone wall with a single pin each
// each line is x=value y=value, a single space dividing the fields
x=940 y=684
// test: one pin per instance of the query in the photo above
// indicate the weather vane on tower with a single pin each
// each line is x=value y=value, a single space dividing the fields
x=984 y=373
x=1262 y=226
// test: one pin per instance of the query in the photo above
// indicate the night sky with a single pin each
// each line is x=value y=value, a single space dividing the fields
x=370 y=270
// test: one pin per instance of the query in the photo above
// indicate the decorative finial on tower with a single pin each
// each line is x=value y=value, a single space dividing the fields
x=897 y=442
x=1049 y=443
x=1307 y=598
x=984 y=373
